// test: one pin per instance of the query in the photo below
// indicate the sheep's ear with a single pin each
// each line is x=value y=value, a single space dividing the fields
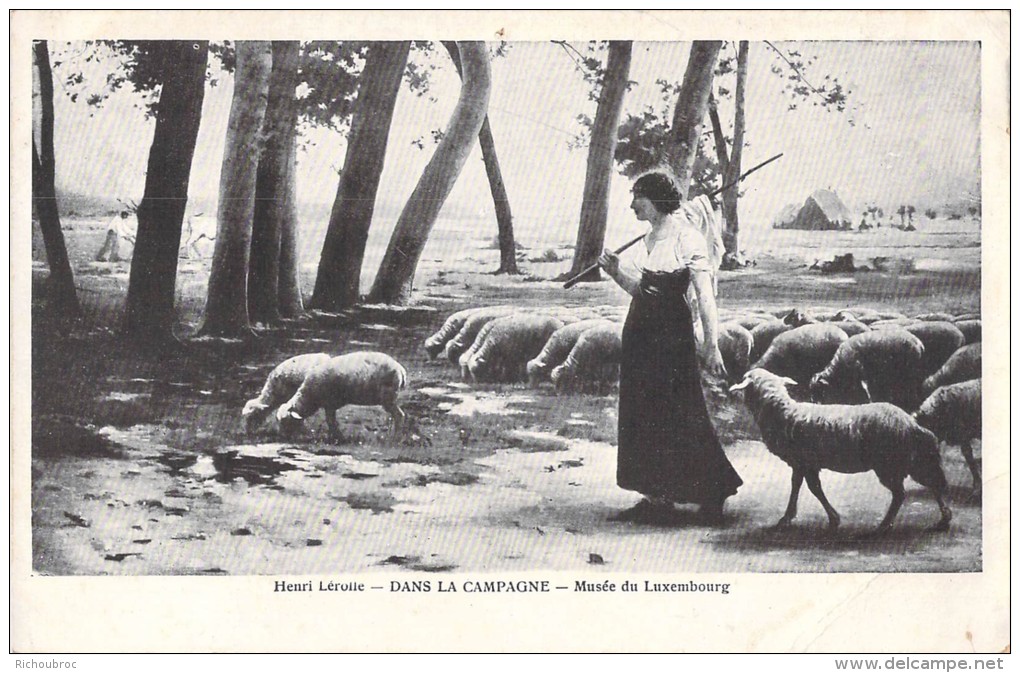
x=867 y=390
x=788 y=381
x=740 y=386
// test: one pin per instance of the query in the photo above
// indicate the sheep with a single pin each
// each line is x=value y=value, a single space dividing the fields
x=594 y=358
x=763 y=335
x=966 y=316
x=798 y=318
x=971 y=329
x=749 y=322
x=362 y=378
x=851 y=327
x=280 y=385
x=877 y=366
x=886 y=323
x=963 y=365
x=850 y=439
x=466 y=336
x=510 y=343
x=466 y=356
x=940 y=339
x=846 y=314
x=435 y=343
x=953 y=413
x=735 y=344
x=937 y=316
x=802 y=352
x=557 y=347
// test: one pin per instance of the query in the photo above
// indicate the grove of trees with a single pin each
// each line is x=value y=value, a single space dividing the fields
x=353 y=87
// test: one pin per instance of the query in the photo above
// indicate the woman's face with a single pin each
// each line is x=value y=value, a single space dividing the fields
x=643 y=208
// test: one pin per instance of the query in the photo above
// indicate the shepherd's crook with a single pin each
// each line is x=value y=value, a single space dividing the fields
x=573 y=281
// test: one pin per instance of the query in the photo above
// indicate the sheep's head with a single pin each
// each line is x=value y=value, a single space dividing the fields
x=761 y=383
x=797 y=318
x=432 y=348
x=253 y=414
x=852 y=388
x=289 y=419
x=536 y=370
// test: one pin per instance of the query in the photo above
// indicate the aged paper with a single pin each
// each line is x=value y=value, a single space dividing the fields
x=866 y=604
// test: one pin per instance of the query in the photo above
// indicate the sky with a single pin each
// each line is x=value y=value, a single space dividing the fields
x=915 y=108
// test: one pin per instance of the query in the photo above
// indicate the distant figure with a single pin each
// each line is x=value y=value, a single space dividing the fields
x=197 y=229
x=119 y=229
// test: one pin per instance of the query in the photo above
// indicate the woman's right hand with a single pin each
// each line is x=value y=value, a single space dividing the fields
x=609 y=261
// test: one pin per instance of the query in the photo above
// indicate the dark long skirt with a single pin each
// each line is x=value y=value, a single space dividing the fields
x=667 y=445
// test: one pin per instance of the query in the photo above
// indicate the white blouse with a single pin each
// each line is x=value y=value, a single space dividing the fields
x=680 y=246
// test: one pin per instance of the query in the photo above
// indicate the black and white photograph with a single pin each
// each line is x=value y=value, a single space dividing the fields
x=438 y=309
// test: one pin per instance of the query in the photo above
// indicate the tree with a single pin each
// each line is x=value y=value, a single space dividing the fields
x=61 y=291
x=591 y=232
x=149 y=311
x=274 y=187
x=691 y=106
x=500 y=200
x=395 y=279
x=337 y=284
x=226 y=309
x=731 y=164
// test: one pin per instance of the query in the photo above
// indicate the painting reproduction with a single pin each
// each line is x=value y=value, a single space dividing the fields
x=450 y=305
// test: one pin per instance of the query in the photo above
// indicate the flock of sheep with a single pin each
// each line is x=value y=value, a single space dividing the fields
x=868 y=390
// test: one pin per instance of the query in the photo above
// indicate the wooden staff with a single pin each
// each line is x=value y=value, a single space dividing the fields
x=576 y=279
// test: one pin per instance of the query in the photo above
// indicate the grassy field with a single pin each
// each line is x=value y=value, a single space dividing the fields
x=140 y=466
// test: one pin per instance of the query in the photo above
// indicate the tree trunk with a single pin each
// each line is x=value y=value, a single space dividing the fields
x=274 y=201
x=338 y=283
x=731 y=196
x=61 y=292
x=149 y=312
x=721 y=153
x=591 y=233
x=226 y=309
x=691 y=106
x=395 y=279
x=290 y=302
x=500 y=200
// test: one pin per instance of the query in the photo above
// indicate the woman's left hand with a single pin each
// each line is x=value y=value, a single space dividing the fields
x=712 y=361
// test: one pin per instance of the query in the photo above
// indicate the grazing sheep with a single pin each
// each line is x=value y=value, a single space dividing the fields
x=886 y=323
x=865 y=315
x=940 y=339
x=435 y=343
x=971 y=330
x=280 y=385
x=851 y=327
x=967 y=316
x=850 y=439
x=735 y=344
x=595 y=358
x=749 y=322
x=472 y=326
x=763 y=335
x=938 y=316
x=877 y=366
x=557 y=348
x=963 y=365
x=953 y=413
x=798 y=318
x=847 y=315
x=802 y=352
x=509 y=344
x=466 y=356
x=362 y=378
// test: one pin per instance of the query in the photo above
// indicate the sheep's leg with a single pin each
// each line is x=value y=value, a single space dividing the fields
x=334 y=427
x=398 y=415
x=796 y=479
x=815 y=484
x=947 y=514
x=975 y=471
x=898 y=497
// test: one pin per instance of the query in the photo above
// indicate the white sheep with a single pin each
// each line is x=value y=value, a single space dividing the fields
x=802 y=352
x=470 y=329
x=509 y=344
x=435 y=343
x=557 y=347
x=882 y=365
x=940 y=339
x=281 y=384
x=735 y=344
x=763 y=335
x=963 y=365
x=595 y=358
x=850 y=439
x=362 y=378
x=851 y=327
x=953 y=413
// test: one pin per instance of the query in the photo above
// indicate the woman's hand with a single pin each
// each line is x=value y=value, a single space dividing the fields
x=610 y=261
x=712 y=361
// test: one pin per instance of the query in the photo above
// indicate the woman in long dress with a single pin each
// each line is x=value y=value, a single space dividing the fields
x=668 y=449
